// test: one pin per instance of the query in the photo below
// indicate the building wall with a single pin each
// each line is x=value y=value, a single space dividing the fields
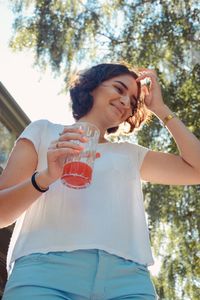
x=12 y=122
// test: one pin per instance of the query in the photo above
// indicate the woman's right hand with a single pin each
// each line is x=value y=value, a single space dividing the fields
x=67 y=144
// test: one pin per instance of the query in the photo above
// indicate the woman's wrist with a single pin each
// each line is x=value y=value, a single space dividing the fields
x=43 y=180
x=165 y=114
x=162 y=112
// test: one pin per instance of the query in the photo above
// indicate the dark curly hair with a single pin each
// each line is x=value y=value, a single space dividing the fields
x=86 y=81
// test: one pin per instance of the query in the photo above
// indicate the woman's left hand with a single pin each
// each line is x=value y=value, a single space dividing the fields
x=153 y=97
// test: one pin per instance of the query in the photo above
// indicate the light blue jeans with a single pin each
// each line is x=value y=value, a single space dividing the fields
x=78 y=275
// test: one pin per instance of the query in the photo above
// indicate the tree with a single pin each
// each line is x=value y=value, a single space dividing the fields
x=7 y=140
x=153 y=33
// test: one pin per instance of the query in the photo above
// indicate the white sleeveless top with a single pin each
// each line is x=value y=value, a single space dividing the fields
x=108 y=215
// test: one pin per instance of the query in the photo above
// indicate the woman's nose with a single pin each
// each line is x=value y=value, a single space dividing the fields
x=125 y=100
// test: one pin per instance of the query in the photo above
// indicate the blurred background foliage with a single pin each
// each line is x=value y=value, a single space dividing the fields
x=160 y=34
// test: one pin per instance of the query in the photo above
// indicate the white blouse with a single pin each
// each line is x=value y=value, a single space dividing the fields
x=108 y=215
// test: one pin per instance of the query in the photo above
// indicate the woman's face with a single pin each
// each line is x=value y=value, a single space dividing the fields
x=113 y=99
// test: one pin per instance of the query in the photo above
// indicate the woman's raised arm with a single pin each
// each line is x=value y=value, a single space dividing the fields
x=165 y=168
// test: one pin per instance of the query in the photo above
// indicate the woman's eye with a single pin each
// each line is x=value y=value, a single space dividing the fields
x=119 y=90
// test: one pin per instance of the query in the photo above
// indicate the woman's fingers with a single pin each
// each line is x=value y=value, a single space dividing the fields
x=57 y=145
x=149 y=75
x=71 y=141
x=147 y=72
x=68 y=136
x=72 y=128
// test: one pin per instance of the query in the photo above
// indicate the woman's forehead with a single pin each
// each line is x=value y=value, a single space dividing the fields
x=127 y=80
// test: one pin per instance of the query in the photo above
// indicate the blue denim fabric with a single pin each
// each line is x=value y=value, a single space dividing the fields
x=78 y=275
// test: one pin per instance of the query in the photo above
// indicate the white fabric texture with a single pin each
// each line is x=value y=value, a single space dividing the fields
x=108 y=215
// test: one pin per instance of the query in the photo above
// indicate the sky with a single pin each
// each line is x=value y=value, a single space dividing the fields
x=37 y=93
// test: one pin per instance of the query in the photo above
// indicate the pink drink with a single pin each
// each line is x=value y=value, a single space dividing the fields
x=78 y=168
x=76 y=174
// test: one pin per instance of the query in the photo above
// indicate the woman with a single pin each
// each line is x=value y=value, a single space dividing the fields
x=91 y=243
